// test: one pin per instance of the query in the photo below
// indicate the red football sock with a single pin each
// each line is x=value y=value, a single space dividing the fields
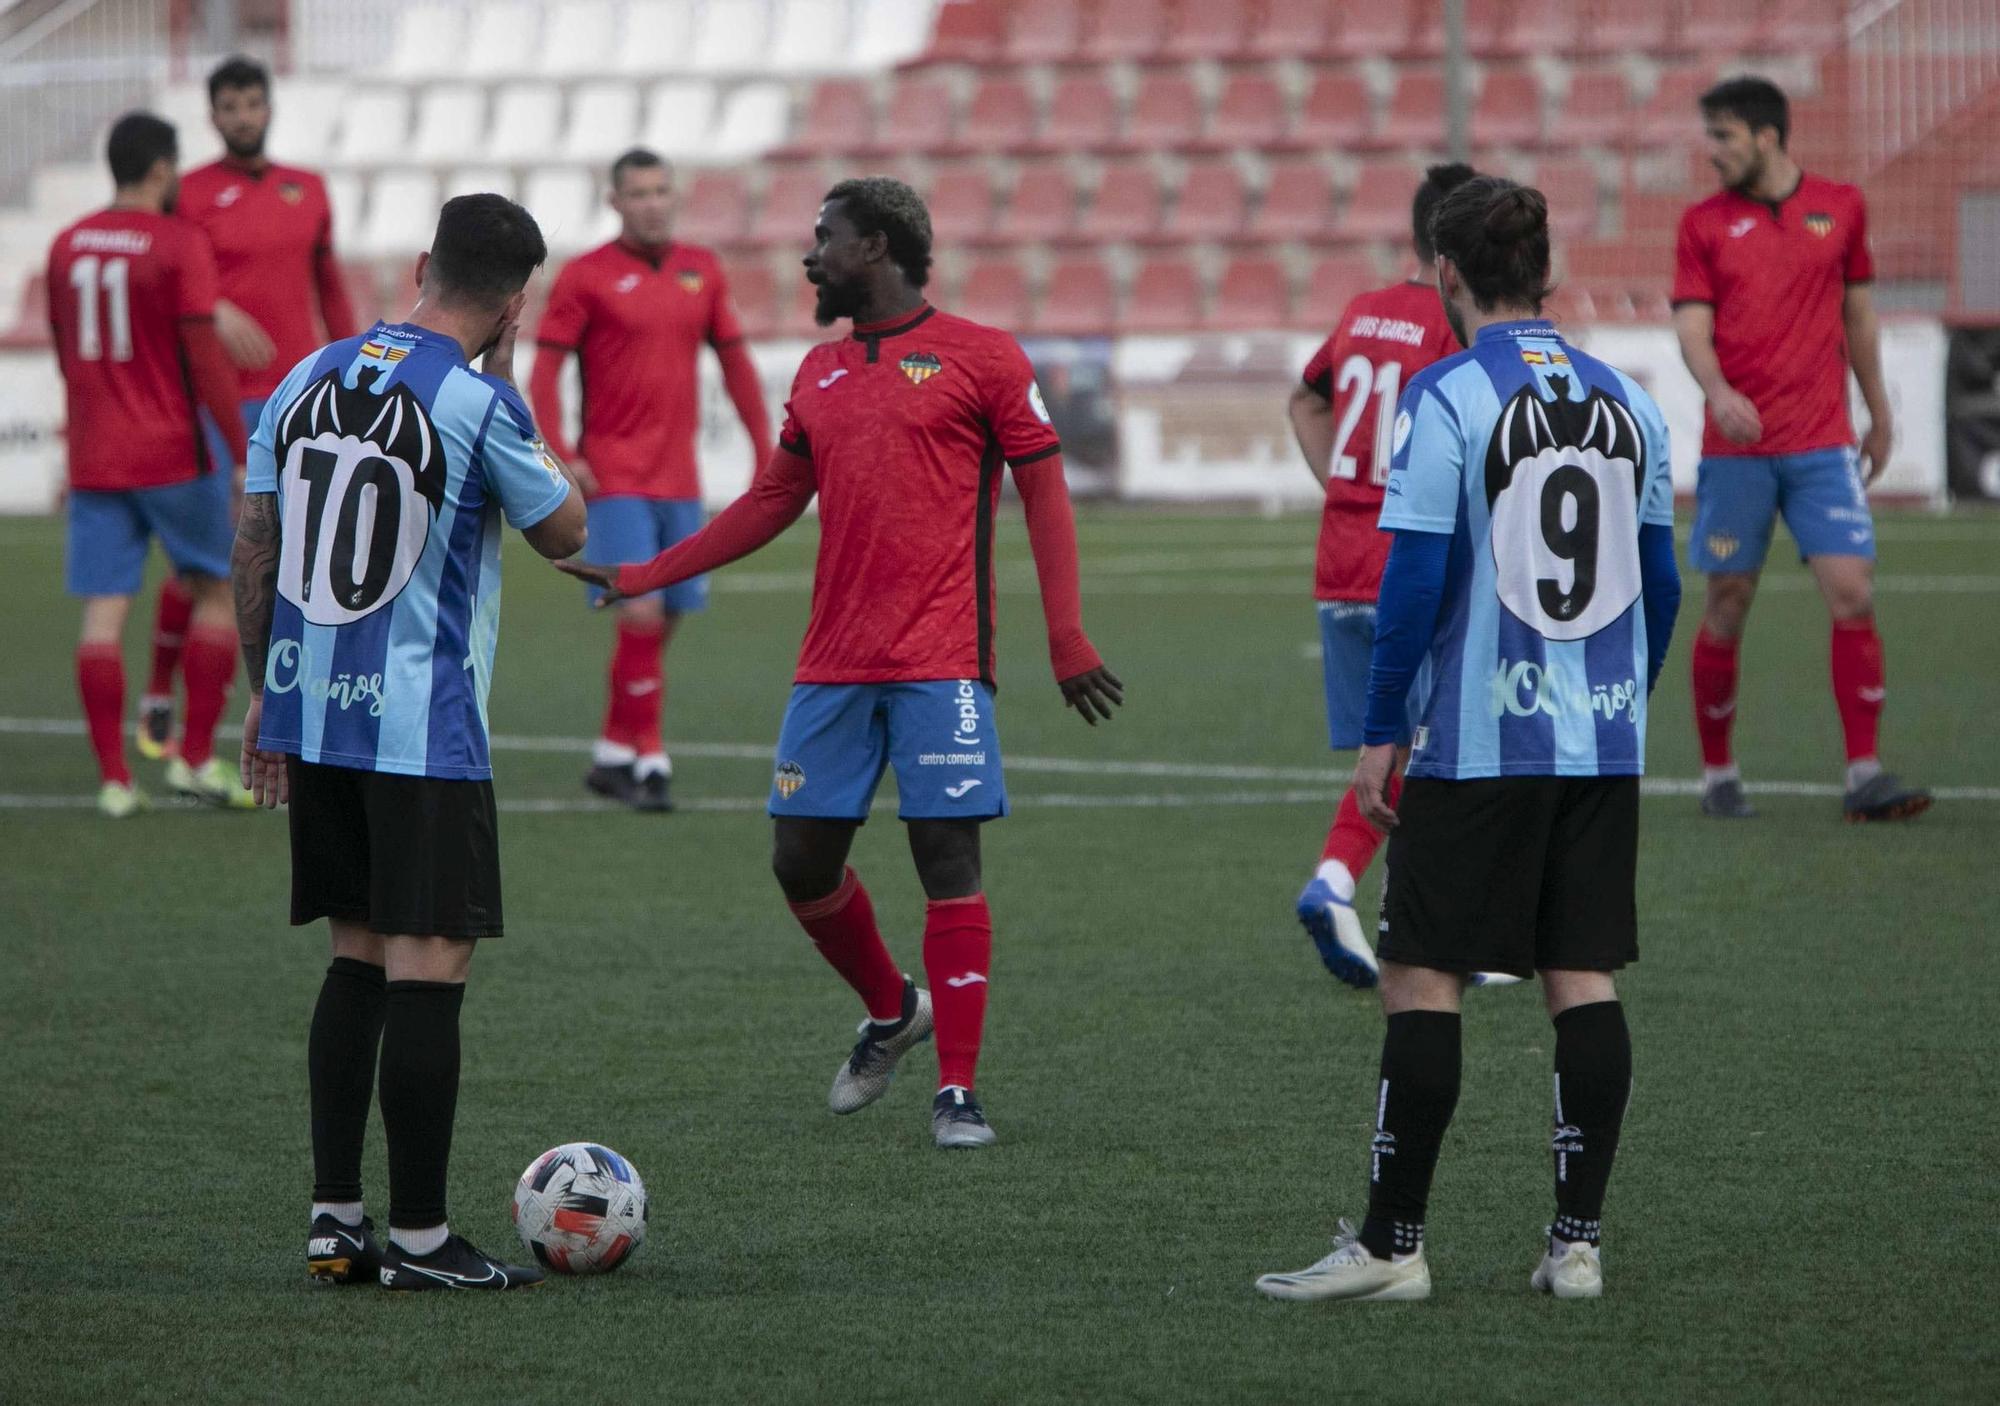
x=100 y=678
x=632 y=710
x=208 y=670
x=1352 y=840
x=1857 y=684
x=842 y=926
x=958 y=952
x=1714 y=672
x=170 y=627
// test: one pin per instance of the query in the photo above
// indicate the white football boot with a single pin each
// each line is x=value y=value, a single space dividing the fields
x=1351 y=1272
x=865 y=1074
x=1570 y=1269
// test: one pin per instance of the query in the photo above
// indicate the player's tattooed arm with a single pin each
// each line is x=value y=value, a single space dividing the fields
x=253 y=574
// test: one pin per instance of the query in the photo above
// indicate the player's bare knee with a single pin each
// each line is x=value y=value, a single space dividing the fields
x=1412 y=988
x=1727 y=604
x=104 y=618
x=1562 y=989
x=946 y=853
x=1847 y=584
x=809 y=858
x=357 y=942
x=428 y=958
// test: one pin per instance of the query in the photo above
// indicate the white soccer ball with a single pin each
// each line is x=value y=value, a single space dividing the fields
x=580 y=1209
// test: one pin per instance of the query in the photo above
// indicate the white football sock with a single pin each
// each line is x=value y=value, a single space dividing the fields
x=348 y=1213
x=1862 y=772
x=604 y=753
x=1335 y=876
x=653 y=764
x=1714 y=775
x=419 y=1242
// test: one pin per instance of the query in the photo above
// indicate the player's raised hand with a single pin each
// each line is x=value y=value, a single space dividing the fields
x=1875 y=449
x=498 y=362
x=1735 y=416
x=263 y=774
x=605 y=578
x=1093 y=694
x=249 y=347
x=1373 y=770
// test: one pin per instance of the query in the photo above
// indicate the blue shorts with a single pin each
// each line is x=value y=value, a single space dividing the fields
x=1346 y=648
x=218 y=447
x=109 y=533
x=940 y=736
x=1738 y=499
x=638 y=529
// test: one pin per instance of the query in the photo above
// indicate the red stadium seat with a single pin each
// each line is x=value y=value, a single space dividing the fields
x=1127 y=205
x=1722 y=26
x=1042 y=208
x=31 y=316
x=1044 y=31
x=994 y=292
x=1165 y=297
x=1210 y=29
x=1298 y=203
x=1800 y=26
x=785 y=214
x=921 y=118
x=1486 y=29
x=961 y=205
x=1078 y=300
x=1126 y=29
x=1372 y=31
x=755 y=294
x=1331 y=286
x=1252 y=296
x=1166 y=114
x=838 y=117
x=1292 y=29
x=1338 y=113
x=716 y=209
x=1672 y=116
x=1509 y=111
x=1212 y=204
x=1083 y=115
x=1625 y=29
x=967 y=31
x=1571 y=185
x=1379 y=205
x=1416 y=116
x=1250 y=114
x=1001 y=118
x=1596 y=112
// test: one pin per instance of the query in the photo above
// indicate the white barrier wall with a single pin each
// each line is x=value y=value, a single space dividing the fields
x=1197 y=418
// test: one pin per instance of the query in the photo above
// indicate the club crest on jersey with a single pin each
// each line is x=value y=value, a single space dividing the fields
x=1722 y=545
x=361 y=477
x=1564 y=476
x=291 y=192
x=1819 y=224
x=790 y=777
x=920 y=367
x=690 y=281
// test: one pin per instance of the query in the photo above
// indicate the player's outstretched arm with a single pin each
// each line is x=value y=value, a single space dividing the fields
x=1086 y=684
x=253 y=575
x=746 y=393
x=773 y=502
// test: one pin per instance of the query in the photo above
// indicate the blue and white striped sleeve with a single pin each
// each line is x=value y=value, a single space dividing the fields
x=1426 y=474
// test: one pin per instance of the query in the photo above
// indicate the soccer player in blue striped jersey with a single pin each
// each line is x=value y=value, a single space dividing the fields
x=367 y=578
x=1525 y=611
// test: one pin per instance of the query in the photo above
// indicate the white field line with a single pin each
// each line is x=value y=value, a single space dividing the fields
x=1193 y=576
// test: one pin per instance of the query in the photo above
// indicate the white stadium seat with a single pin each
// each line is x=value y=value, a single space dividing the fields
x=810 y=36
x=479 y=180
x=890 y=31
x=402 y=215
x=526 y=123
x=563 y=203
x=305 y=114
x=343 y=192
x=504 y=40
x=603 y=121
x=753 y=121
x=450 y=124
x=374 y=127
x=656 y=37
x=427 y=38
x=579 y=39
x=729 y=38
x=63 y=191
x=678 y=117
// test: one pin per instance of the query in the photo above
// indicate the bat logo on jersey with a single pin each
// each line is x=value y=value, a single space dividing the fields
x=920 y=367
x=362 y=473
x=1563 y=480
x=689 y=280
x=1819 y=224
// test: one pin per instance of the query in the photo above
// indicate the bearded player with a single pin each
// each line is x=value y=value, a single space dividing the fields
x=637 y=312
x=902 y=430
x=271 y=228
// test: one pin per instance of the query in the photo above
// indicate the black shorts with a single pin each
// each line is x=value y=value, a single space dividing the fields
x=409 y=856
x=1514 y=874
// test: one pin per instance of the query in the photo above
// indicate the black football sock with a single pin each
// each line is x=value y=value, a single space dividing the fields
x=419 y=1096
x=1413 y=1106
x=340 y=1065
x=1593 y=1082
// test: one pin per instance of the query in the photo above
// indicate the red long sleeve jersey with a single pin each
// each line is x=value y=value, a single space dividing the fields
x=637 y=322
x=1777 y=277
x=121 y=282
x=1382 y=339
x=272 y=232
x=907 y=426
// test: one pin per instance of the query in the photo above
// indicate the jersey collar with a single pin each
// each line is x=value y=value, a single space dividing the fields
x=876 y=331
x=655 y=259
x=422 y=336
x=1526 y=327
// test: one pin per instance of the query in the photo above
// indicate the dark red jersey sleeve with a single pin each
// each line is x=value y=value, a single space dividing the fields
x=1318 y=375
x=1052 y=539
x=791 y=436
x=196 y=283
x=1860 y=259
x=197 y=286
x=1694 y=280
x=1014 y=409
x=545 y=394
x=568 y=312
x=723 y=327
x=773 y=502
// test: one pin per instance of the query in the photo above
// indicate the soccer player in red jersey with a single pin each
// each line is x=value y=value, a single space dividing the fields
x=1772 y=305
x=132 y=304
x=902 y=430
x=637 y=312
x=272 y=232
x=1344 y=414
